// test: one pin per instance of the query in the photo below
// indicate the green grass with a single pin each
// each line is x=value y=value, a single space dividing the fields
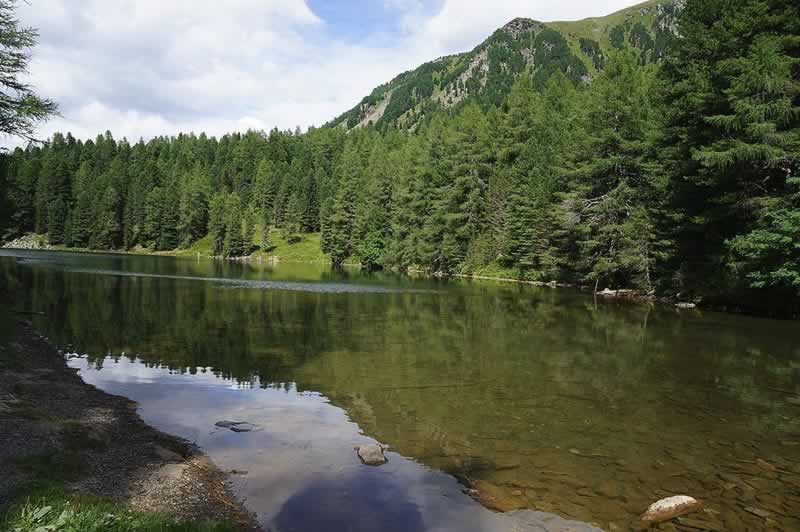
x=496 y=271
x=597 y=28
x=307 y=250
x=202 y=246
x=50 y=509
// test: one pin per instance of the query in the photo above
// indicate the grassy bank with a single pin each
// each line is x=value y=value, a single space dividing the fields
x=48 y=508
x=307 y=250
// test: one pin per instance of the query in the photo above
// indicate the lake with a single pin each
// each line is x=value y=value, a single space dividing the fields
x=542 y=399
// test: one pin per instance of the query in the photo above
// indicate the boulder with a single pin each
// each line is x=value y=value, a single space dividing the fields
x=372 y=454
x=669 y=508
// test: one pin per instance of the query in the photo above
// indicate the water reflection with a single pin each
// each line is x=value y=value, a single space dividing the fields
x=302 y=474
x=545 y=398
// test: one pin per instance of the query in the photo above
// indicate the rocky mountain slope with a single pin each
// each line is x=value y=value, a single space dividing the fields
x=578 y=49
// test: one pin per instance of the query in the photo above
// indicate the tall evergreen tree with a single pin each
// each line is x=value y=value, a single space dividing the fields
x=194 y=207
x=731 y=86
x=217 y=223
x=373 y=228
x=343 y=211
x=615 y=181
x=234 y=245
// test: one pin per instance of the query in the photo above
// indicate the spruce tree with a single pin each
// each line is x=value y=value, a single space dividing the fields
x=373 y=227
x=731 y=88
x=56 y=221
x=343 y=210
x=614 y=181
x=234 y=244
x=194 y=207
x=216 y=223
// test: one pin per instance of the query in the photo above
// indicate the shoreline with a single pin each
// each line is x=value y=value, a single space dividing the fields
x=625 y=295
x=59 y=433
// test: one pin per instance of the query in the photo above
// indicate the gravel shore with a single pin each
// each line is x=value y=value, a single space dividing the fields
x=55 y=427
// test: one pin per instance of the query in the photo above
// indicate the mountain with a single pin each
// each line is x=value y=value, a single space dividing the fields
x=578 y=49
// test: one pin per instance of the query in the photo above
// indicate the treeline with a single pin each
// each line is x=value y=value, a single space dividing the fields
x=681 y=177
x=170 y=192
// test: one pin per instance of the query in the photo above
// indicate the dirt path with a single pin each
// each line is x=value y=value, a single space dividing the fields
x=56 y=428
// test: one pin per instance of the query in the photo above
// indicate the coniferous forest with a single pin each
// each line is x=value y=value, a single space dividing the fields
x=678 y=177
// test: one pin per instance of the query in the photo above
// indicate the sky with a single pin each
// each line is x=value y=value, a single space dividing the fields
x=142 y=68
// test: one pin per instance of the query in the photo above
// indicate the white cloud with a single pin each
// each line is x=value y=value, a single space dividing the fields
x=462 y=24
x=152 y=67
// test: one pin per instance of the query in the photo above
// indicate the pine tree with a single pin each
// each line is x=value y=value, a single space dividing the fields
x=536 y=137
x=22 y=109
x=194 y=207
x=234 y=244
x=82 y=220
x=249 y=231
x=411 y=198
x=152 y=220
x=343 y=210
x=265 y=190
x=438 y=174
x=463 y=200
x=731 y=89
x=169 y=236
x=373 y=229
x=216 y=222
x=56 y=221
x=21 y=178
x=615 y=181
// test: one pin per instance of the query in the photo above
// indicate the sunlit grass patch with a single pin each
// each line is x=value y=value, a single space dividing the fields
x=50 y=509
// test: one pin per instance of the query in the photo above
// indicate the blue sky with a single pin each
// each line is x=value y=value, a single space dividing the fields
x=142 y=68
x=358 y=20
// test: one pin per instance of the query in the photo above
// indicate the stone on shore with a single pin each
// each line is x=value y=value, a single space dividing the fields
x=669 y=508
x=372 y=454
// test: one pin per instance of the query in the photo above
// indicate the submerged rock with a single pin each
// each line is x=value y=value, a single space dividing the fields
x=237 y=426
x=495 y=498
x=766 y=466
x=758 y=512
x=669 y=508
x=372 y=454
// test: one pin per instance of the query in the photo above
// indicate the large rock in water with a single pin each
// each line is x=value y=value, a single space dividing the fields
x=237 y=426
x=669 y=508
x=372 y=454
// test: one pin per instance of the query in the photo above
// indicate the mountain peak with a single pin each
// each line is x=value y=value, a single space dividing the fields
x=521 y=25
x=485 y=75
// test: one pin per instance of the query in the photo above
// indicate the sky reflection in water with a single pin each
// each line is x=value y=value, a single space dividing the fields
x=302 y=471
x=547 y=399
